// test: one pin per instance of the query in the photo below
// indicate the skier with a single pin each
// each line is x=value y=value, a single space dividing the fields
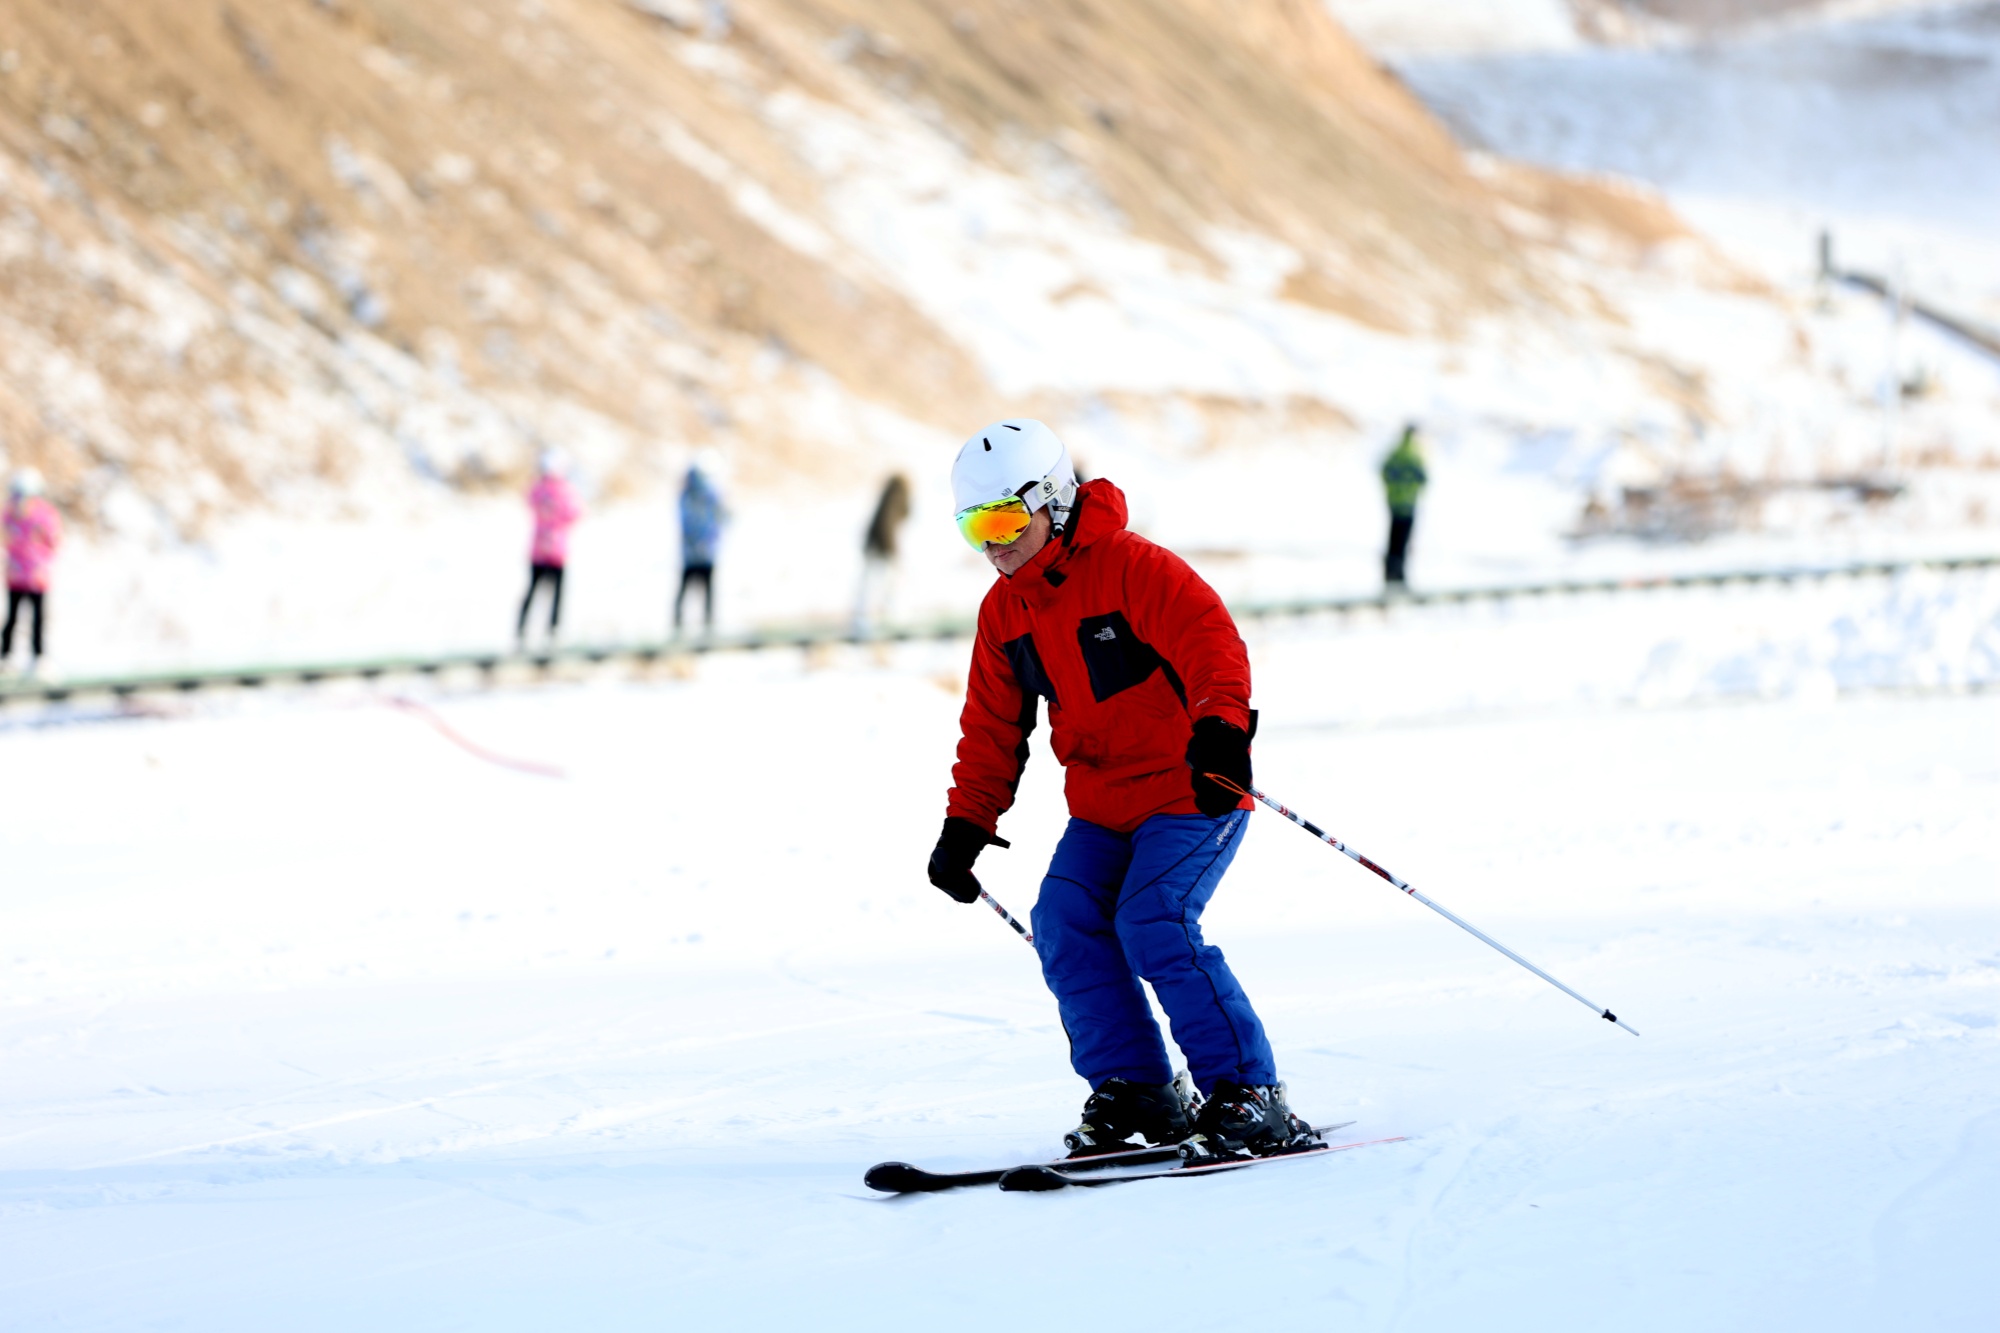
x=702 y=514
x=878 y=555
x=1148 y=687
x=34 y=531
x=556 y=511
x=1402 y=480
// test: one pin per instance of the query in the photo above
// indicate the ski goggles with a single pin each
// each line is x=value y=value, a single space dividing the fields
x=1000 y=522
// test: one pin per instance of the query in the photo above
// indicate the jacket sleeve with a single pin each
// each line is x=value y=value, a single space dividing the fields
x=993 y=736
x=1174 y=610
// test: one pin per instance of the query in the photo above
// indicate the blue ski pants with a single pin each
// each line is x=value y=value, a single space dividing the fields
x=1118 y=907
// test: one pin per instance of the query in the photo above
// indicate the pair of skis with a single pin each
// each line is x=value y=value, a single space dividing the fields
x=1102 y=1169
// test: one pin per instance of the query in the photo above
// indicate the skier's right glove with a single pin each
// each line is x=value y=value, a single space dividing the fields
x=1224 y=751
x=957 y=848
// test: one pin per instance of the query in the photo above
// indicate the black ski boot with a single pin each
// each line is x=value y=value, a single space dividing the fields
x=1158 y=1113
x=1241 y=1121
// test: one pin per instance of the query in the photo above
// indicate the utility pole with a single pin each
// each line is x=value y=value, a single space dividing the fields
x=1892 y=374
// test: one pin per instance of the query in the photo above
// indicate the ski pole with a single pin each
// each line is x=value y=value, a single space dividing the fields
x=1006 y=916
x=1452 y=917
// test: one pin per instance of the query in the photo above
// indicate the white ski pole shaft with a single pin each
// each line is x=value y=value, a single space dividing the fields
x=1006 y=916
x=1448 y=915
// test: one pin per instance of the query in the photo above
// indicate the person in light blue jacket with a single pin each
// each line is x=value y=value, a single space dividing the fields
x=702 y=516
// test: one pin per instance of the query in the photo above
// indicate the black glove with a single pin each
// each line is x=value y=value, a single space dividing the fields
x=1219 y=748
x=957 y=848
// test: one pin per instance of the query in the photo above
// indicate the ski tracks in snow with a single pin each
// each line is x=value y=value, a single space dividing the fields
x=279 y=1069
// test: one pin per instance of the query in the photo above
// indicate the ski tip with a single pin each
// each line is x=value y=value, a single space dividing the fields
x=898 y=1178
x=1033 y=1179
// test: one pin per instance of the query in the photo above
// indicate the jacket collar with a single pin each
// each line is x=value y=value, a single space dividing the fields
x=1100 y=511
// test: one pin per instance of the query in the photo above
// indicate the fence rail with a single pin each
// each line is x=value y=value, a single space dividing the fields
x=494 y=667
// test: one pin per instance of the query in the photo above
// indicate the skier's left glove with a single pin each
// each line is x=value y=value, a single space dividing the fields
x=957 y=848
x=1222 y=749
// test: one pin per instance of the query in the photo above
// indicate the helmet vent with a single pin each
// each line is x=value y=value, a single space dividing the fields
x=1014 y=428
x=988 y=443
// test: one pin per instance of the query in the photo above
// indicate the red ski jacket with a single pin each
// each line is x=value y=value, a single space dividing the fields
x=1128 y=646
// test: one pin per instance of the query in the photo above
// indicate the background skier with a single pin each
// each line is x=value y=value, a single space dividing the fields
x=34 y=531
x=1402 y=481
x=1148 y=687
x=702 y=513
x=556 y=511
x=878 y=555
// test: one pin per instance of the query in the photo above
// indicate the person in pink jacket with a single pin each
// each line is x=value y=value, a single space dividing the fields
x=34 y=530
x=556 y=512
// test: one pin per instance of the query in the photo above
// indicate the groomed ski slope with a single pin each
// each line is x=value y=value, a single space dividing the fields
x=314 y=1021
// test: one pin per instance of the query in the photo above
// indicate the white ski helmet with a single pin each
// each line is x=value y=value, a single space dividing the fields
x=1018 y=456
x=27 y=482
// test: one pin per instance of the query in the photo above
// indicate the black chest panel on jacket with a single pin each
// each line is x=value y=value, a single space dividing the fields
x=1027 y=665
x=1118 y=659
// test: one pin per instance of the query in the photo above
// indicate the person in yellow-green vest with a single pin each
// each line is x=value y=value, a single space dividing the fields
x=1402 y=480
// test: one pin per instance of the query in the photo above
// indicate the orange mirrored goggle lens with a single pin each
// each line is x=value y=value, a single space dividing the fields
x=998 y=521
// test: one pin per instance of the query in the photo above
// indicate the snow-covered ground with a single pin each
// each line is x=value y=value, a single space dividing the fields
x=312 y=1020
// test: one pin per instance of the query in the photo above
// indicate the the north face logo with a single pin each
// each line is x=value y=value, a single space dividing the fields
x=1106 y=635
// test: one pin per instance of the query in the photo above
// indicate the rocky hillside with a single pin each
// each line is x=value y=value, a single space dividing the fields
x=294 y=253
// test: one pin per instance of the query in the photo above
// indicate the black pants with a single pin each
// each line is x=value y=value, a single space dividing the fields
x=1399 y=545
x=536 y=574
x=690 y=573
x=15 y=597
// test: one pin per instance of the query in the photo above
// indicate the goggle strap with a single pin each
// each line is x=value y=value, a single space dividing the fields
x=1045 y=490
